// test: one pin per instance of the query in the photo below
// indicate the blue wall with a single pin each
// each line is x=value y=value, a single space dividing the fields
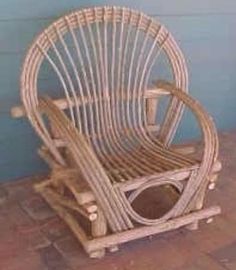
x=205 y=30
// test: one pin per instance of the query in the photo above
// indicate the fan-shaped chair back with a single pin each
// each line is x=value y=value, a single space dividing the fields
x=103 y=60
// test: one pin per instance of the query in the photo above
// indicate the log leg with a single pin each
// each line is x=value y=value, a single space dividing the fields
x=211 y=186
x=99 y=228
x=198 y=204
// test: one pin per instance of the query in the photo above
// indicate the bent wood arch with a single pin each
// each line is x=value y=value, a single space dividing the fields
x=104 y=54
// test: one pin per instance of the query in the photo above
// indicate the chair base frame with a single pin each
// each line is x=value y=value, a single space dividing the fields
x=99 y=240
x=96 y=243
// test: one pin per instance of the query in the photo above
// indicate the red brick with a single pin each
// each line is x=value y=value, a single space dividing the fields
x=226 y=255
x=203 y=262
x=37 y=208
x=19 y=218
x=12 y=220
x=56 y=229
x=53 y=259
x=225 y=225
x=72 y=251
x=183 y=244
x=19 y=190
x=23 y=261
x=231 y=217
x=210 y=237
x=37 y=240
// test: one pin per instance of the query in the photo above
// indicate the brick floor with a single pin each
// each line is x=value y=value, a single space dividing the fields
x=32 y=237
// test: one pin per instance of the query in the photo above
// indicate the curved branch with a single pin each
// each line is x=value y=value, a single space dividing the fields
x=211 y=145
x=89 y=166
x=205 y=120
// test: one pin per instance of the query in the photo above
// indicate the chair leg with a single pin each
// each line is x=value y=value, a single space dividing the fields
x=99 y=228
x=198 y=204
x=211 y=186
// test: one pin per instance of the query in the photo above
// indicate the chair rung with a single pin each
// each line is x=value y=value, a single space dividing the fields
x=62 y=103
x=144 y=231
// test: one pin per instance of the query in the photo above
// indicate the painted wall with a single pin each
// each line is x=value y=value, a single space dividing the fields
x=205 y=30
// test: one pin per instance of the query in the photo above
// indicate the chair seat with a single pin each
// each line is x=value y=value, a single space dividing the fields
x=146 y=159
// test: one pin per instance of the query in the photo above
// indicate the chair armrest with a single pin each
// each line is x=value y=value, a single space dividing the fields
x=75 y=141
x=89 y=166
x=209 y=132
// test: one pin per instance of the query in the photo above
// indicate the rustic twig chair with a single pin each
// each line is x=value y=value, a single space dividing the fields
x=107 y=148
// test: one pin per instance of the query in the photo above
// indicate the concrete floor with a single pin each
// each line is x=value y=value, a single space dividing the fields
x=32 y=237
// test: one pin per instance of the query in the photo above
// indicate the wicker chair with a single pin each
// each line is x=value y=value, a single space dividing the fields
x=100 y=130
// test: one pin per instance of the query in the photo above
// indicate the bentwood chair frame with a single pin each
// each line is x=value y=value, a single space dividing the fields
x=106 y=149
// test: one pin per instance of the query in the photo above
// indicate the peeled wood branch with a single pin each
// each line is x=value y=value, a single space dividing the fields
x=62 y=103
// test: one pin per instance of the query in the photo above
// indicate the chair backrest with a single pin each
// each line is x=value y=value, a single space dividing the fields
x=103 y=59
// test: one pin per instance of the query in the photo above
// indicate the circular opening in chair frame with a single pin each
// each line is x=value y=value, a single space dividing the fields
x=156 y=201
